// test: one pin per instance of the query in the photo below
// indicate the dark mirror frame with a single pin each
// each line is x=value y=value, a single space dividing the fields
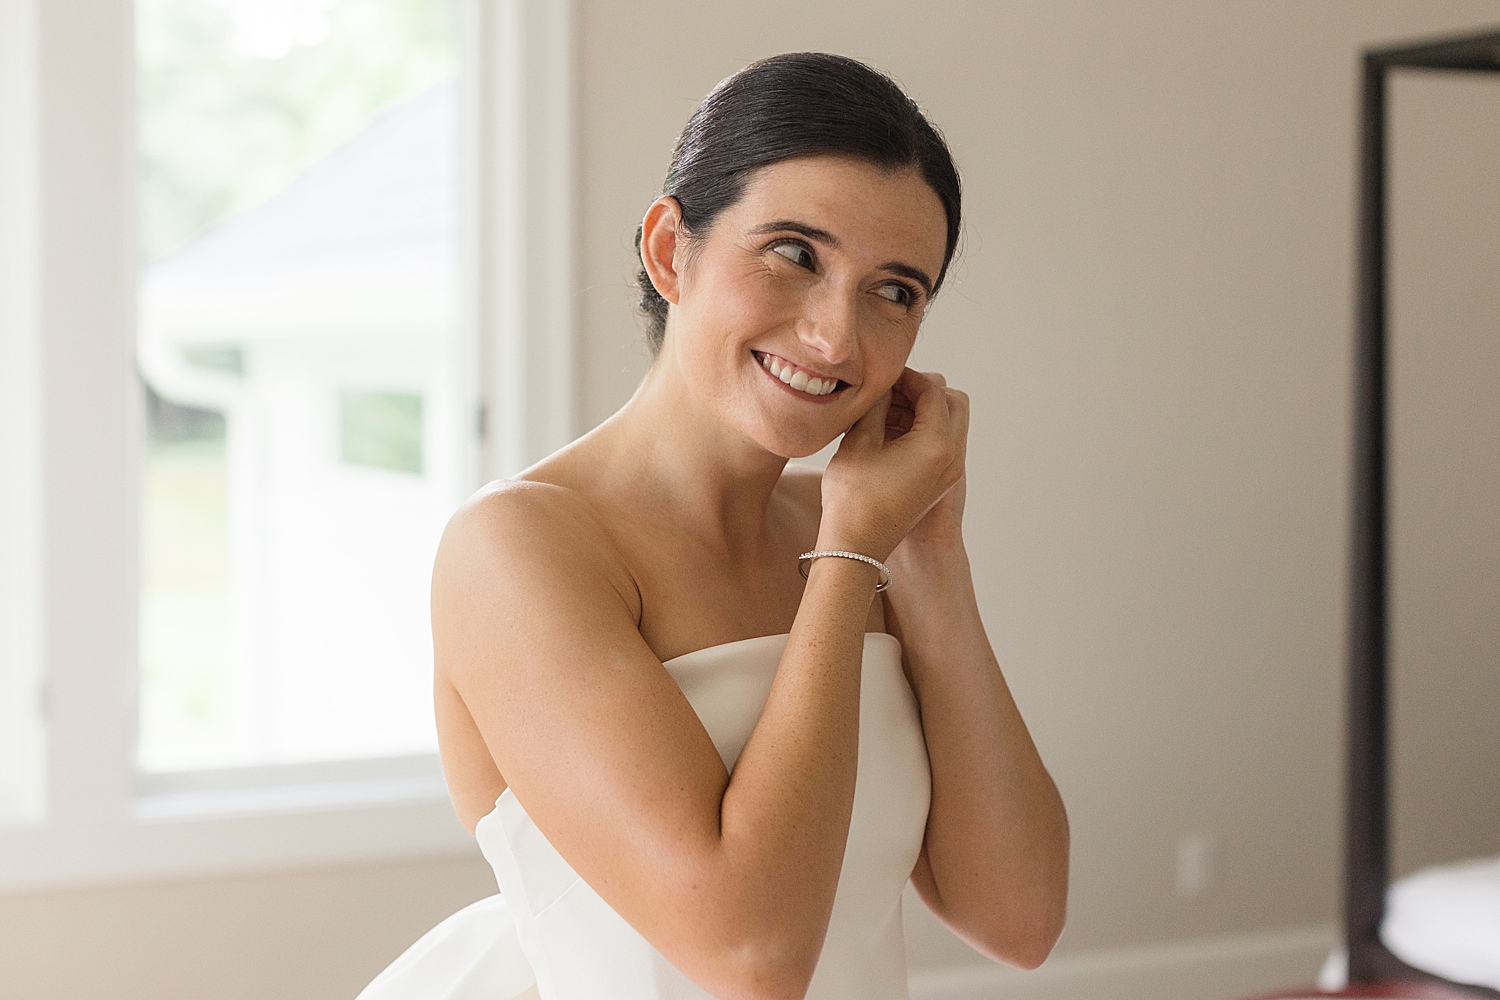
x=1366 y=817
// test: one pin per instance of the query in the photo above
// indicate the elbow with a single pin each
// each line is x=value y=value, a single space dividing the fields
x=1030 y=949
x=1024 y=944
x=775 y=981
x=1015 y=909
x=1019 y=932
x=1033 y=923
x=774 y=967
x=747 y=938
x=1040 y=934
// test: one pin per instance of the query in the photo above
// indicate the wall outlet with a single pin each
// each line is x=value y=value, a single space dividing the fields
x=1197 y=864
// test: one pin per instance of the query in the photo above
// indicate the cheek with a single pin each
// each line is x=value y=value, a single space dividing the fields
x=890 y=342
x=741 y=303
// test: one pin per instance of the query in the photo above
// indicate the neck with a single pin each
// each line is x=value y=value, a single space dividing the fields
x=681 y=456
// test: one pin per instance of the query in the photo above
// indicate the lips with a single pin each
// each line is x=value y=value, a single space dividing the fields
x=796 y=378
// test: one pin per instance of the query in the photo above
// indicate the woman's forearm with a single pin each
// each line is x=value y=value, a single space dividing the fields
x=786 y=810
x=997 y=836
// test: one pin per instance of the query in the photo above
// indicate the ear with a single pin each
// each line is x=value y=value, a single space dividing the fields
x=662 y=233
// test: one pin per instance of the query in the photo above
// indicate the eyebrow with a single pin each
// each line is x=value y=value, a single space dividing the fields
x=791 y=225
x=828 y=239
x=907 y=271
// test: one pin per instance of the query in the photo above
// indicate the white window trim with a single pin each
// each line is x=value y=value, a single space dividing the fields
x=67 y=310
x=520 y=111
x=23 y=777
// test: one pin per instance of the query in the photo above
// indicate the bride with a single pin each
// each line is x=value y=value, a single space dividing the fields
x=696 y=770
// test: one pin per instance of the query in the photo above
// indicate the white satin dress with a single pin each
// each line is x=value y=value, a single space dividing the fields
x=548 y=934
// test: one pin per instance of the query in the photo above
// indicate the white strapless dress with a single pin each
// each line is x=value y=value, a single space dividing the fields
x=548 y=934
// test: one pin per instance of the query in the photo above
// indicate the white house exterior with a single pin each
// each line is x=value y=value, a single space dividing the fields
x=346 y=282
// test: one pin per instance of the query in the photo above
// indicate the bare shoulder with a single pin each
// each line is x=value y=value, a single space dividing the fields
x=522 y=507
x=508 y=519
x=522 y=549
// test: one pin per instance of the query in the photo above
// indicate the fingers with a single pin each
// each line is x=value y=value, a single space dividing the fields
x=943 y=411
x=902 y=456
x=870 y=428
x=917 y=398
x=929 y=398
x=960 y=439
x=898 y=419
x=958 y=409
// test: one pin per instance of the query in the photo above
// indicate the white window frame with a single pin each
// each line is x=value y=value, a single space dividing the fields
x=22 y=772
x=72 y=432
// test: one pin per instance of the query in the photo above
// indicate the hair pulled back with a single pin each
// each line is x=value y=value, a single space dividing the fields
x=788 y=106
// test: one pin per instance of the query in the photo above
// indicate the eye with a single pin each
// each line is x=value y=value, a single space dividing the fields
x=796 y=253
x=897 y=293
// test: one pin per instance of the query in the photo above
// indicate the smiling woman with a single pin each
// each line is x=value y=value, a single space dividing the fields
x=695 y=772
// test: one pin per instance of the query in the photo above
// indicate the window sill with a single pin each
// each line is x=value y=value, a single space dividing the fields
x=249 y=802
x=206 y=833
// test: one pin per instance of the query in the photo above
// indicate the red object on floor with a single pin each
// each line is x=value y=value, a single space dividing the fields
x=1379 y=991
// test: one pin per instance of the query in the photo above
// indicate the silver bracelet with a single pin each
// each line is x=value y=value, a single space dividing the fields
x=807 y=557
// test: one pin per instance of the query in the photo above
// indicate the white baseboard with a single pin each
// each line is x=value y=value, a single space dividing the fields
x=1216 y=968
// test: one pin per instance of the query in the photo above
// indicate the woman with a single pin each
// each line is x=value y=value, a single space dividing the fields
x=695 y=772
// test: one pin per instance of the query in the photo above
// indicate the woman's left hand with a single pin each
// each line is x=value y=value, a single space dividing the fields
x=943 y=523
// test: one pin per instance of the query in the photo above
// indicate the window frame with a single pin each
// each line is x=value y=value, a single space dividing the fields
x=22 y=776
x=75 y=418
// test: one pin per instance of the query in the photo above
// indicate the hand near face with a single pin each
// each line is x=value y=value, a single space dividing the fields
x=898 y=419
x=896 y=467
x=944 y=522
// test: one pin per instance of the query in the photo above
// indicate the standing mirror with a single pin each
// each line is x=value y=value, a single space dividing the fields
x=1423 y=786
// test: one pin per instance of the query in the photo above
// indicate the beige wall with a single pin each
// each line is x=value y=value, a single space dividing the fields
x=1152 y=317
x=296 y=935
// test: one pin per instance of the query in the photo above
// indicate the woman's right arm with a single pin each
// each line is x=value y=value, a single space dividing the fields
x=732 y=878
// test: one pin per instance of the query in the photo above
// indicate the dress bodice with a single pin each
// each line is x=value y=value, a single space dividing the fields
x=549 y=924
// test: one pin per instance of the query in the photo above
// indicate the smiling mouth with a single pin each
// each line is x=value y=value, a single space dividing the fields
x=795 y=378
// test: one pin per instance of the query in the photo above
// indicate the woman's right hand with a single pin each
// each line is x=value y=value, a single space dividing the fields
x=890 y=469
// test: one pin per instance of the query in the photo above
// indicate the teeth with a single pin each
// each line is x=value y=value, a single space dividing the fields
x=796 y=378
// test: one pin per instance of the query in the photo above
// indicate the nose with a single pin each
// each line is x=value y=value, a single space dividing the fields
x=830 y=325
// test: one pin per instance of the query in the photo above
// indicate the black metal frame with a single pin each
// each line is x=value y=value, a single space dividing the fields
x=1366 y=844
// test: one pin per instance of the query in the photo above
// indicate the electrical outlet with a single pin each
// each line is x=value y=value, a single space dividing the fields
x=1197 y=864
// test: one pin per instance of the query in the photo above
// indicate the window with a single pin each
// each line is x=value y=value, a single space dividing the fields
x=176 y=738
x=309 y=420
